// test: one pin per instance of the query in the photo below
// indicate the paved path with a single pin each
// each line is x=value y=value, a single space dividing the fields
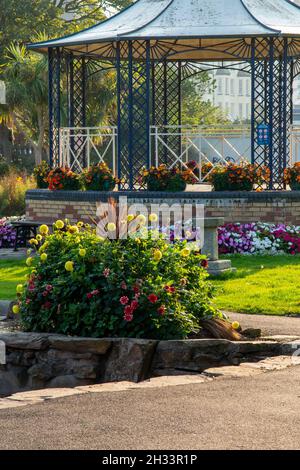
x=269 y=324
x=258 y=412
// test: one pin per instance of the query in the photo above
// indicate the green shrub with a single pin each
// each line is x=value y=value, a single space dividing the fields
x=12 y=194
x=4 y=167
x=87 y=286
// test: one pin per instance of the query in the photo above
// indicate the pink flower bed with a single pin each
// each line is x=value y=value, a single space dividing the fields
x=259 y=238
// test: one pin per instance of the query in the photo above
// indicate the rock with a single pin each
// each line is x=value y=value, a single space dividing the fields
x=80 y=345
x=252 y=333
x=130 y=360
x=68 y=381
x=12 y=379
x=18 y=340
x=257 y=347
x=193 y=355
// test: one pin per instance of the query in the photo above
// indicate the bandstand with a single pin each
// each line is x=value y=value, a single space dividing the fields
x=153 y=46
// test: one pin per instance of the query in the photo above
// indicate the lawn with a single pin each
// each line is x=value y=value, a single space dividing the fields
x=11 y=273
x=261 y=284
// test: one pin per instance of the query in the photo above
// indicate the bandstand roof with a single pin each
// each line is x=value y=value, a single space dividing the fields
x=188 y=29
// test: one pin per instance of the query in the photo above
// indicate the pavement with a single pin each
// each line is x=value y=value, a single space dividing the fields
x=251 y=412
x=8 y=254
x=269 y=324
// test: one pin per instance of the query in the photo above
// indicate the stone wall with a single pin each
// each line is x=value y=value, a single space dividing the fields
x=37 y=361
x=269 y=206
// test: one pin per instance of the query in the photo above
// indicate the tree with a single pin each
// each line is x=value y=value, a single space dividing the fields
x=195 y=109
x=21 y=20
x=27 y=96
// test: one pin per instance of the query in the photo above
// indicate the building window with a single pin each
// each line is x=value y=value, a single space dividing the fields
x=241 y=111
x=248 y=88
x=241 y=87
x=232 y=87
x=248 y=110
x=226 y=86
x=220 y=86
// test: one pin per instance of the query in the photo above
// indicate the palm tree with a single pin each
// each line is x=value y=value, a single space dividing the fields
x=26 y=106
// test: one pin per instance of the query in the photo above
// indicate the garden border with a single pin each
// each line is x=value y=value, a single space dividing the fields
x=40 y=360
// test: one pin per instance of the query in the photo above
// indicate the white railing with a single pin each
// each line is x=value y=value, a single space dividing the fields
x=181 y=144
x=80 y=147
x=294 y=145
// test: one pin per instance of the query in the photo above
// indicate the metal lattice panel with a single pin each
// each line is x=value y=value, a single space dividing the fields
x=77 y=108
x=54 y=105
x=271 y=104
x=134 y=112
x=166 y=89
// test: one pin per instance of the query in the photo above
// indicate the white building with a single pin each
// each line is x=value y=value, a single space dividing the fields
x=232 y=93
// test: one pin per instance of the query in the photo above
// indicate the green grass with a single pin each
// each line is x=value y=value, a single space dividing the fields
x=261 y=285
x=11 y=273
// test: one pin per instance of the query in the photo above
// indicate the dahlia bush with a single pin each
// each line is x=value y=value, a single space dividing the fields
x=82 y=284
x=259 y=238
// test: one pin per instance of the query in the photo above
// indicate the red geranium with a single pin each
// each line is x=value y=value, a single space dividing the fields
x=153 y=298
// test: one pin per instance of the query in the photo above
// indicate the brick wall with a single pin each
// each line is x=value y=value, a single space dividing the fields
x=278 y=207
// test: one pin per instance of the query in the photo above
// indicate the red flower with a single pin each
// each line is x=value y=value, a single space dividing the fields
x=134 y=305
x=123 y=285
x=136 y=289
x=161 y=310
x=89 y=295
x=124 y=300
x=95 y=292
x=128 y=317
x=204 y=263
x=47 y=305
x=153 y=298
x=170 y=289
x=128 y=310
x=49 y=288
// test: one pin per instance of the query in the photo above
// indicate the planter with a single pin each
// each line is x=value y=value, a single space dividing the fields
x=41 y=183
x=170 y=186
x=295 y=186
x=225 y=186
x=95 y=186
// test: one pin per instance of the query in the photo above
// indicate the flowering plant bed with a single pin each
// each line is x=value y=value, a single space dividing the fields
x=292 y=176
x=98 y=178
x=40 y=174
x=241 y=177
x=259 y=238
x=63 y=179
x=162 y=178
x=7 y=232
x=82 y=284
x=198 y=169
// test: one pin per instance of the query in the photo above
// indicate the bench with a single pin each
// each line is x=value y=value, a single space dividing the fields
x=25 y=230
